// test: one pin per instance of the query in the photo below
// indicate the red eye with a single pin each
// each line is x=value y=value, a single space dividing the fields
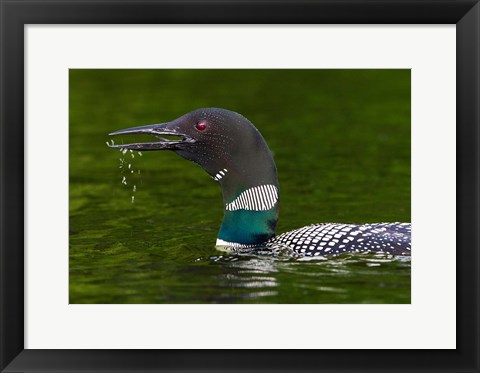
x=201 y=126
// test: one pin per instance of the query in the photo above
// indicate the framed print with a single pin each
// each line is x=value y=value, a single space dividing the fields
x=362 y=116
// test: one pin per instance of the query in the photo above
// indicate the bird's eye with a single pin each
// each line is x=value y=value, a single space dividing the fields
x=201 y=126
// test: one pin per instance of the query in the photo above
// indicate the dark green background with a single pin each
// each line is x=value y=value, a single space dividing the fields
x=341 y=141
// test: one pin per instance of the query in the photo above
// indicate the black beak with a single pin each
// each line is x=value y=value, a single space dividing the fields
x=155 y=130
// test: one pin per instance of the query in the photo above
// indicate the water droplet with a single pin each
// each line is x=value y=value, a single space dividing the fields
x=133 y=199
x=134 y=188
x=140 y=154
x=129 y=165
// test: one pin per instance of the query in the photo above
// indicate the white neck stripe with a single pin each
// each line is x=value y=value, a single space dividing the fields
x=259 y=198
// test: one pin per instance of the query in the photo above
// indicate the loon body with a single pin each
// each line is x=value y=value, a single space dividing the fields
x=335 y=239
x=233 y=152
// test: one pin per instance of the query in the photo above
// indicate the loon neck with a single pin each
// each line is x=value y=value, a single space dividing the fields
x=251 y=200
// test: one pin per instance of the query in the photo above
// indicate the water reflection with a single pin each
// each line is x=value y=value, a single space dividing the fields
x=266 y=279
x=247 y=277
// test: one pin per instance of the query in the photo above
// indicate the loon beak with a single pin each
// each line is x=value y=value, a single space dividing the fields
x=155 y=130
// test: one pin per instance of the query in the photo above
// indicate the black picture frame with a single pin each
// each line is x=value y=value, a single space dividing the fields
x=17 y=13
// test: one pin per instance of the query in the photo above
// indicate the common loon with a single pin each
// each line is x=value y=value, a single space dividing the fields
x=233 y=152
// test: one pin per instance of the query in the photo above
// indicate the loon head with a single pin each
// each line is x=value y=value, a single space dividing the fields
x=233 y=152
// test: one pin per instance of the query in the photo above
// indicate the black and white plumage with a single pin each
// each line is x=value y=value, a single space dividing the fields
x=336 y=239
x=233 y=152
x=260 y=198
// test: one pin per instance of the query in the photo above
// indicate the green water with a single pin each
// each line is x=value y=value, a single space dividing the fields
x=341 y=141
